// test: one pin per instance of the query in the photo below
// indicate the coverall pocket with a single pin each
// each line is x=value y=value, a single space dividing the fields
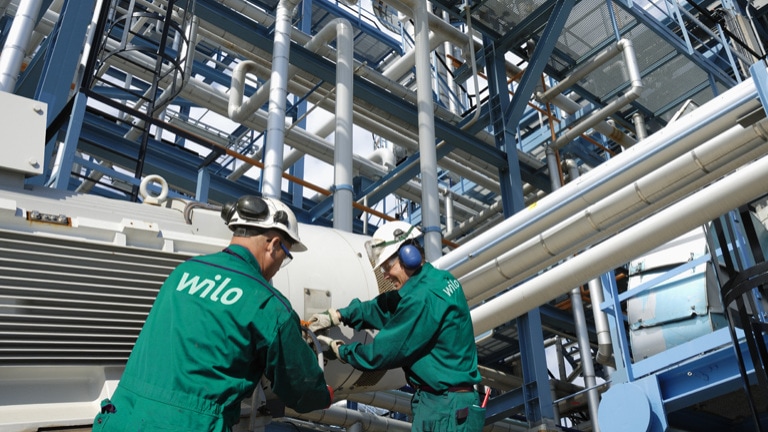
x=473 y=421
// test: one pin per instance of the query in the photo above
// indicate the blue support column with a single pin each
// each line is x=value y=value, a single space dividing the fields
x=504 y=116
x=203 y=184
x=536 y=390
x=66 y=154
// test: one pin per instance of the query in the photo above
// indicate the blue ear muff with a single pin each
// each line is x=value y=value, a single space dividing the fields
x=410 y=257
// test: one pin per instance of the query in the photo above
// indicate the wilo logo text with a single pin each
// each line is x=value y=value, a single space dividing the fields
x=220 y=293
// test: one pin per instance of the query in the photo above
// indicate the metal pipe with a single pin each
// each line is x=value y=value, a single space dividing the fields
x=611 y=214
x=582 y=336
x=640 y=130
x=708 y=120
x=14 y=49
x=343 y=195
x=344 y=417
x=272 y=175
x=742 y=186
x=430 y=203
x=635 y=89
x=604 y=354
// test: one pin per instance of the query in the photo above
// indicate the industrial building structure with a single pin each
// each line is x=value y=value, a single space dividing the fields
x=592 y=171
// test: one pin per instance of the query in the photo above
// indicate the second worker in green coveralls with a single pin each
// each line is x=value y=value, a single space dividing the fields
x=216 y=327
x=424 y=327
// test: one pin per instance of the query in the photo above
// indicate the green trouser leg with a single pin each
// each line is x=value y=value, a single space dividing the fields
x=449 y=412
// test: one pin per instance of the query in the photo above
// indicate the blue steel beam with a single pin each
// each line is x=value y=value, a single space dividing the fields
x=103 y=139
x=538 y=61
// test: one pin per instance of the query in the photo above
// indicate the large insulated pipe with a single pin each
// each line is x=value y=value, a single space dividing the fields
x=738 y=188
x=272 y=176
x=343 y=194
x=626 y=206
x=708 y=120
x=14 y=49
x=430 y=201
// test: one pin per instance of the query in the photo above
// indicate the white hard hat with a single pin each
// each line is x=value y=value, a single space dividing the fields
x=266 y=213
x=386 y=241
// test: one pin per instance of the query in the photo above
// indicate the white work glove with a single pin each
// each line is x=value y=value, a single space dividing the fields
x=334 y=344
x=324 y=320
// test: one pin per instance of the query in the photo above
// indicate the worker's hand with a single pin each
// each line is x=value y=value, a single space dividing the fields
x=334 y=344
x=324 y=320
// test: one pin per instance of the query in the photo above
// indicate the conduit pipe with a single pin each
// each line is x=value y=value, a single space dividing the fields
x=474 y=221
x=430 y=201
x=344 y=417
x=738 y=188
x=14 y=49
x=272 y=176
x=709 y=120
x=635 y=89
x=640 y=130
x=582 y=335
x=633 y=202
x=604 y=354
x=606 y=129
x=395 y=401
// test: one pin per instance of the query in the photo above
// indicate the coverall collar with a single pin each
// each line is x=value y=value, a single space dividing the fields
x=415 y=279
x=244 y=254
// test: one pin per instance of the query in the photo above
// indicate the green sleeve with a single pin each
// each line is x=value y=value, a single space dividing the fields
x=409 y=333
x=372 y=314
x=294 y=372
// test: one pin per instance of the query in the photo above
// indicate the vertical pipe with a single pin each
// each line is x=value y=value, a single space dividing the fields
x=640 y=131
x=587 y=367
x=430 y=203
x=342 y=156
x=604 y=347
x=273 y=155
x=582 y=336
x=14 y=49
x=448 y=212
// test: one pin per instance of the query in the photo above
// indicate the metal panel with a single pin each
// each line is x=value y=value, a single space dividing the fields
x=22 y=121
x=67 y=301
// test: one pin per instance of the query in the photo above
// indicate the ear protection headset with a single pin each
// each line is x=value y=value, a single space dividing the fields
x=409 y=256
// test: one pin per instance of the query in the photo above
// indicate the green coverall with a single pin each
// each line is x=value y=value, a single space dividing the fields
x=425 y=328
x=216 y=326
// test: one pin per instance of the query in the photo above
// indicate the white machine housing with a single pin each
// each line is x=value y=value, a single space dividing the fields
x=79 y=273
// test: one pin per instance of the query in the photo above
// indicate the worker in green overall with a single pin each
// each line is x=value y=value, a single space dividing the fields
x=218 y=325
x=424 y=327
